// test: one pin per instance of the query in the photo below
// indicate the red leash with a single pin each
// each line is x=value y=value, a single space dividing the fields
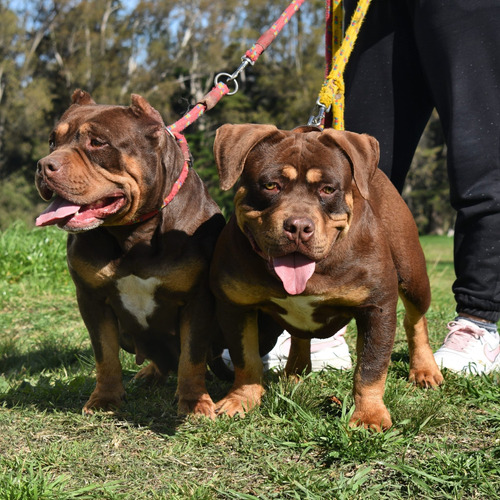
x=268 y=37
x=214 y=96
x=250 y=57
x=207 y=103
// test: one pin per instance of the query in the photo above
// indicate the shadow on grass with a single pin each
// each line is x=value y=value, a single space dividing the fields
x=46 y=358
x=146 y=407
x=60 y=381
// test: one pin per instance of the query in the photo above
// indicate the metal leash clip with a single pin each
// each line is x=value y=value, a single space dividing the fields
x=317 y=120
x=245 y=61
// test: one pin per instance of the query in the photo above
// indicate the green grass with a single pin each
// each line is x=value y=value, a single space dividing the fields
x=445 y=443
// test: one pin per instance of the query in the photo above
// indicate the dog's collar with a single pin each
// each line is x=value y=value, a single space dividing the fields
x=175 y=189
x=181 y=140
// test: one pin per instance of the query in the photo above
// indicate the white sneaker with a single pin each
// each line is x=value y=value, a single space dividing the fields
x=332 y=352
x=469 y=349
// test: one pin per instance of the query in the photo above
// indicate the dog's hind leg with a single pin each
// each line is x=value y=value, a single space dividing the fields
x=151 y=374
x=299 y=357
x=423 y=368
x=415 y=293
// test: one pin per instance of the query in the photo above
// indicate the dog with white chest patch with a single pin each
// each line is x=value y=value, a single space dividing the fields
x=319 y=236
x=142 y=232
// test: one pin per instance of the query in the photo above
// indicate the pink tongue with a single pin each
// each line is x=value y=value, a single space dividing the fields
x=57 y=210
x=294 y=270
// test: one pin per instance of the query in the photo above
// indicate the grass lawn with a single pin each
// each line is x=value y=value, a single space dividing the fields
x=445 y=443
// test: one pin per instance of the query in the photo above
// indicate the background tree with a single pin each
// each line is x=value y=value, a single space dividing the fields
x=168 y=51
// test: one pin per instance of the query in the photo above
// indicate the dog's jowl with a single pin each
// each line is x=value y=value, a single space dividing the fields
x=140 y=268
x=319 y=237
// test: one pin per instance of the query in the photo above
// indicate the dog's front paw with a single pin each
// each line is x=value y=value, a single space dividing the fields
x=427 y=378
x=240 y=400
x=202 y=405
x=100 y=400
x=377 y=418
x=230 y=407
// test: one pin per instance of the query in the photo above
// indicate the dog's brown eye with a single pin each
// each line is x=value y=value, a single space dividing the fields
x=96 y=143
x=52 y=145
x=271 y=186
x=328 y=190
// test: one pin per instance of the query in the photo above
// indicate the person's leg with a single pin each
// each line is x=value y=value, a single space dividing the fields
x=460 y=44
x=386 y=92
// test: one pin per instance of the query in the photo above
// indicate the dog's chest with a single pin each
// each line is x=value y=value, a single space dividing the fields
x=299 y=312
x=137 y=296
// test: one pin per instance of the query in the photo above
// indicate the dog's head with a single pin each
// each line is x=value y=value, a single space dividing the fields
x=296 y=193
x=105 y=164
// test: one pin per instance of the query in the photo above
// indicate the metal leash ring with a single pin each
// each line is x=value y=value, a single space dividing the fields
x=245 y=61
x=230 y=78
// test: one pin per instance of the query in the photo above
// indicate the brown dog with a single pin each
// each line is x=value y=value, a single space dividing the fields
x=319 y=236
x=140 y=269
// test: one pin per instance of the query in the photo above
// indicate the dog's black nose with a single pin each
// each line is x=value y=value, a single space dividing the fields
x=48 y=165
x=299 y=229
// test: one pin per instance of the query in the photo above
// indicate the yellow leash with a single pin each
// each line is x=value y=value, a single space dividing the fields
x=331 y=95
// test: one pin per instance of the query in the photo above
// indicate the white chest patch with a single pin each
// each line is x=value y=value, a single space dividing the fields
x=299 y=312
x=137 y=296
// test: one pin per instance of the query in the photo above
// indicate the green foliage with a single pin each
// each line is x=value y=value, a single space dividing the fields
x=19 y=200
x=204 y=165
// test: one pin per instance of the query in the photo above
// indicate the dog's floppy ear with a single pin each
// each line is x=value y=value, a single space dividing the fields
x=363 y=150
x=231 y=147
x=81 y=98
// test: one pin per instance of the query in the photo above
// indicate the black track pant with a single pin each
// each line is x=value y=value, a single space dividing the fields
x=415 y=55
